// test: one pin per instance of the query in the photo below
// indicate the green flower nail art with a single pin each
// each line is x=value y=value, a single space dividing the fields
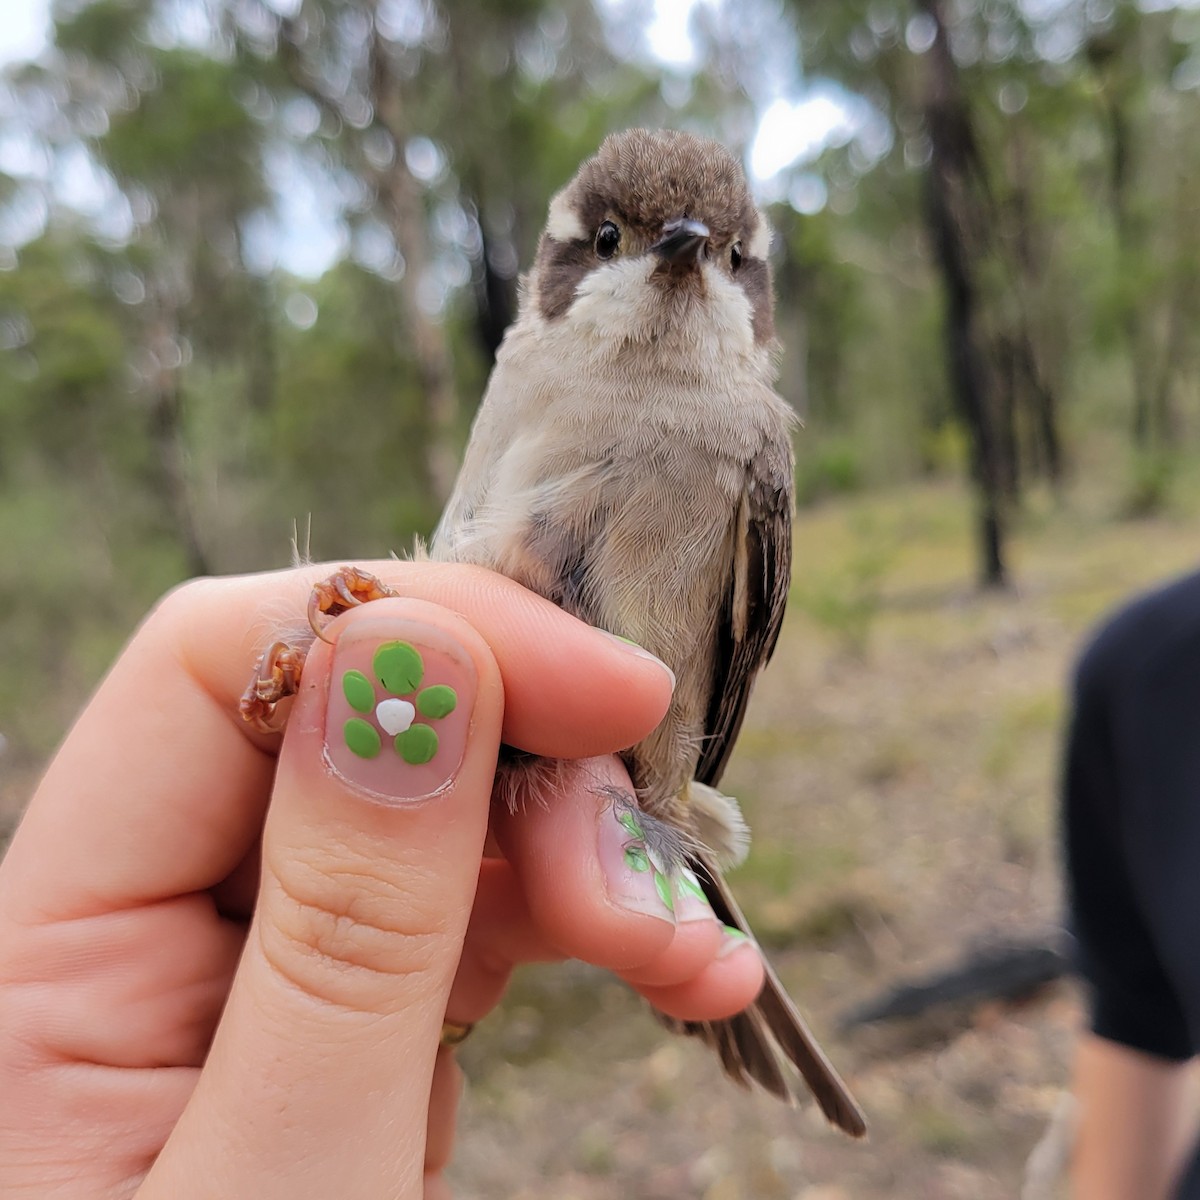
x=639 y=858
x=398 y=669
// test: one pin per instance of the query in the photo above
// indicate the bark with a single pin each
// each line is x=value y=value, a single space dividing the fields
x=1032 y=382
x=482 y=173
x=1163 y=410
x=792 y=279
x=1117 y=123
x=1008 y=403
x=404 y=206
x=169 y=437
x=259 y=350
x=956 y=213
x=1045 y=415
x=401 y=202
x=1154 y=324
x=495 y=297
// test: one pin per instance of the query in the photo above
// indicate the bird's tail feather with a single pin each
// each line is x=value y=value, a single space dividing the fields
x=755 y=1044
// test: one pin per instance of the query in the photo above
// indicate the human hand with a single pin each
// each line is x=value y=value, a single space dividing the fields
x=225 y=966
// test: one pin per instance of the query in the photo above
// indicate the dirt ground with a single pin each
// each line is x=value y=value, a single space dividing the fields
x=898 y=768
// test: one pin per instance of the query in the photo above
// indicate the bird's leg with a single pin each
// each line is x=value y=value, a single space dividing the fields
x=653 y=845
x=277 y=673
x=525 y=780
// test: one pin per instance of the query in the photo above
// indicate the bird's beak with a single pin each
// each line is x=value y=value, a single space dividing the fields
x=682 y=242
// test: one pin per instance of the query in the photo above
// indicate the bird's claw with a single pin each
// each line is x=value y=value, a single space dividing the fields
x=277 y=673
x=346 y=589
x=276 y=676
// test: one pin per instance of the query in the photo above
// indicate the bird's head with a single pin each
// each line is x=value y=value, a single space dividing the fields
x=657 y=238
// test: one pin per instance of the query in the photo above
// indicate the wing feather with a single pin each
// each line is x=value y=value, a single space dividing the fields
x=753 y=610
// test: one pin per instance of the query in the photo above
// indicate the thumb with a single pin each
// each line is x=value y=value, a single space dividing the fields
x=319 y=1077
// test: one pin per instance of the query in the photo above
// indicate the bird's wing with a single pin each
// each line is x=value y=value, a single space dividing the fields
x=753 y=610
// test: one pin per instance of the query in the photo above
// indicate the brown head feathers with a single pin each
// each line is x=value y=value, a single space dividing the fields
x=645 y=178
x=641 y=180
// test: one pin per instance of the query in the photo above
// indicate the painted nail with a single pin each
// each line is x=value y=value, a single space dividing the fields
x=691 y=904
x=401 y=695
x=635 y=880
x=732 y=940
x=631 y=647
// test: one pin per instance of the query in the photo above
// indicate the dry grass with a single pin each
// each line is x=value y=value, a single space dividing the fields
x=898 y=768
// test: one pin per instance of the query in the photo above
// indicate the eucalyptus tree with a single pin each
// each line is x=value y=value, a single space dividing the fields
x=159 y=122
x=447 y=125
x=948 y=80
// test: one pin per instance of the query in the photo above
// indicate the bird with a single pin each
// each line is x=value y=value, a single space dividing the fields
x=632 y=462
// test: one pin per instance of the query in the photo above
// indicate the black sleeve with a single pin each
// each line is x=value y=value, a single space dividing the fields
x=1108 y=768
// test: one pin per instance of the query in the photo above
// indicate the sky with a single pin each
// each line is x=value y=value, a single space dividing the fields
x=23 y=31
x=792 y=128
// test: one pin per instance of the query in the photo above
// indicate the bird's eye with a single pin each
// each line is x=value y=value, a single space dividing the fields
x=608 y=238
x=735 y=255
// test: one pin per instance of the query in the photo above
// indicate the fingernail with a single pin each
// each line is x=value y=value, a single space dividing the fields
x=732 y=939
x=631 y=647
x=634 y=879
x=401 y=694
x=691 y=904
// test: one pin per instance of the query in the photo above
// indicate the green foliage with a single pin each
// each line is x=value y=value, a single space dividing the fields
x=1015 y=726
x=942 y=1132
x=347 y=420
x=944 y=449
x=99 y=30
x=832 y=467
x=189 y=126
x=1152 y=476
x=846 y=601
x=825 y=314
x=168 y=403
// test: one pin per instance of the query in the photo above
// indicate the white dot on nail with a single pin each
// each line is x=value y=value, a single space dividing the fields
x=394 y=716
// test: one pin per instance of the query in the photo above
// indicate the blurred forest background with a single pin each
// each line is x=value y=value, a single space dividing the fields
x=256 y=257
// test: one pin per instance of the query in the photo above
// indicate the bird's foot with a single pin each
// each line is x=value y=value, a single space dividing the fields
x=345 y=589
x=276 y=676
x=277 y=673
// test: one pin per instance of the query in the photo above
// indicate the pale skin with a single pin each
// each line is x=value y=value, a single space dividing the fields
x=1136 y=1122
x=224 y=972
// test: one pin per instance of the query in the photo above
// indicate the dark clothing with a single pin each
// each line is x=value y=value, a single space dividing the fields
x=1132 y=827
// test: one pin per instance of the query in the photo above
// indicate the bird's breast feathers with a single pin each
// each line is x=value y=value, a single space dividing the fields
x=626 y=368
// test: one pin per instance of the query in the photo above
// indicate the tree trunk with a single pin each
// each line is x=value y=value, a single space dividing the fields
x=495 y=295
x=404 y=209
x=402 y=206
x=1031 y=382
x=1163 y=409
x=167 y=432
x=1008 y=404
x=955 y=212
x=1127 y=251
x=1045 y=417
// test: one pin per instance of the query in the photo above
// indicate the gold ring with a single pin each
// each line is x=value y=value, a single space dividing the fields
x=454 y=1034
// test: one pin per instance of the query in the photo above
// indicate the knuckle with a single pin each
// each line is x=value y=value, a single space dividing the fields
x=180 y=602
x=345 y=936
x=22 y=1026
x=173 y=617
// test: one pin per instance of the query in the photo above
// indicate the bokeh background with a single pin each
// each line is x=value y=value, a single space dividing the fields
x=255 y=259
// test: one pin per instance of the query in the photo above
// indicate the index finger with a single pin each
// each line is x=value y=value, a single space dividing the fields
x=160 y=788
